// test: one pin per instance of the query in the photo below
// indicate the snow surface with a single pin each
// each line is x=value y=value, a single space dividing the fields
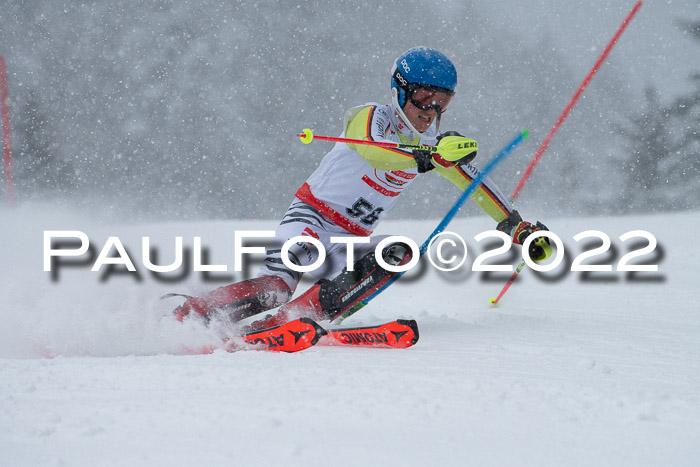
x=566 y=372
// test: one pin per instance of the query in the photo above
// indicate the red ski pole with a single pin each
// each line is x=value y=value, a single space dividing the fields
x=307 y=136
x=7 y=143
x=557 y=124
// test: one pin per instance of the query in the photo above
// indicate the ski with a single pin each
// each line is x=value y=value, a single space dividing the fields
x=293 y=336
x=397 y=334
x=304 y=333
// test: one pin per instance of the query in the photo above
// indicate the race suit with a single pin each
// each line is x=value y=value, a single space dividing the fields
x=356 y=185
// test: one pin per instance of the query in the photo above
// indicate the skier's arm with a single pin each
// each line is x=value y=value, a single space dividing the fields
x=488 y=196
x=369 y=123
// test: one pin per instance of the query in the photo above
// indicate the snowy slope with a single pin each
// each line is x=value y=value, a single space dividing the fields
x=566 y=372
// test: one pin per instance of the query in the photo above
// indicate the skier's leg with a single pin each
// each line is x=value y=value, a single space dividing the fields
x=276 y=282
x=328 y=299
x=239 y=300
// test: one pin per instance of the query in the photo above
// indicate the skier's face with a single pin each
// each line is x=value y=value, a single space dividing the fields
x=423 y=105
x=420 y=119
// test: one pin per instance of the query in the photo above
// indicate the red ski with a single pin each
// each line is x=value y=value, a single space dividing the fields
x=293 y=336
x=397 y=334
x=303 y=333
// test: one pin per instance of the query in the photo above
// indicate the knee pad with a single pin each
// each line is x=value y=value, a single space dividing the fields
x=397 y=254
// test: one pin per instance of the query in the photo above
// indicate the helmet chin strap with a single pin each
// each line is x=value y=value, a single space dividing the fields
x=399 y=111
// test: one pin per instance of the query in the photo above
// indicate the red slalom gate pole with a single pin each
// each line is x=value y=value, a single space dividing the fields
x=545 y=144
x=573 y=100
x=7 y=142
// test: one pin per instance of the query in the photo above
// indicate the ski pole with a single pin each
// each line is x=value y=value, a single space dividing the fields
x=307 y=136
x=447 y=219
x=6 y=142
x=545 y=144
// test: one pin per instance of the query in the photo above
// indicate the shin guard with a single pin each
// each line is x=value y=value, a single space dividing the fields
x=327 y=299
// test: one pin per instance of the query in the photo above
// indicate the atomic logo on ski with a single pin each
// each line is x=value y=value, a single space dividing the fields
x=271 y=341
x=359 y=337
x=397 y=334
x=303 y=333
x=299 y=335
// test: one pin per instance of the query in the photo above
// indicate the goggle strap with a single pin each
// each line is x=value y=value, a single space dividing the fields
x=401 y=81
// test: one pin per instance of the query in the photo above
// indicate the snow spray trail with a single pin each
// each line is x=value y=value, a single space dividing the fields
x=77 y=313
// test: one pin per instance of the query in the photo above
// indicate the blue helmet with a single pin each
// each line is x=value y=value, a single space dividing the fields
x=421 y=67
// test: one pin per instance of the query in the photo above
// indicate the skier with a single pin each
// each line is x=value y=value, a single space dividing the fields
x=350 y=193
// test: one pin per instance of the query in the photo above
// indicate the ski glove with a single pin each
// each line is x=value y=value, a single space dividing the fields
x=454 y=147
x=424 y=160
x=519 y=230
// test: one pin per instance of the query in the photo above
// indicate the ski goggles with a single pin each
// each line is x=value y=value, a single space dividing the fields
x=426 y=98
